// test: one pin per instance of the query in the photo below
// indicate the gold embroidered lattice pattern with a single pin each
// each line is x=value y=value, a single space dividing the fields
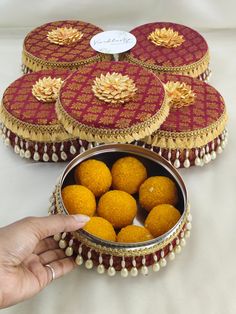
x=47 y=89
x=180 y=94
x=166 y=37
x=114 y=88
x=64 y=36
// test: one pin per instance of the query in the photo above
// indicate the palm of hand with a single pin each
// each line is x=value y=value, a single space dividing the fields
x=24 y=252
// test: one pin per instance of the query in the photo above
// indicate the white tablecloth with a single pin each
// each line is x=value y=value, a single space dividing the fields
x=202 y=279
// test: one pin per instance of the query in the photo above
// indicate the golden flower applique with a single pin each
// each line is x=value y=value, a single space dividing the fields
x=47 y=89
x=64 y=36
x=180 y=94
x=166 y=37
x=114 y=88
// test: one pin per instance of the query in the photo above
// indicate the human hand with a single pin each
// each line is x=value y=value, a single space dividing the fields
x=26 y=246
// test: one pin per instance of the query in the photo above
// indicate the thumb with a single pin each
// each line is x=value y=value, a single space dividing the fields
x=44 y=227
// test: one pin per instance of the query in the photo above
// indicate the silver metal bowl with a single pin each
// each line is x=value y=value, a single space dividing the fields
x=128 y=258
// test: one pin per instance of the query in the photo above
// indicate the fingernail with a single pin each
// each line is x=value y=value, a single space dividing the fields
x=81 y=218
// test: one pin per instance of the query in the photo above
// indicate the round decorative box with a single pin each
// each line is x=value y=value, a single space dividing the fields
x=169 y=47
x=29 y=120
x=126 y=258
x=112 y=102
x=195 y=130
x=61 y=44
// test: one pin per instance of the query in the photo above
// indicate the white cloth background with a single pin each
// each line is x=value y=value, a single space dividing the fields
x=202 y=280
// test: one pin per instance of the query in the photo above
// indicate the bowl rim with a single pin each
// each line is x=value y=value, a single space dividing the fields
x=135 y=150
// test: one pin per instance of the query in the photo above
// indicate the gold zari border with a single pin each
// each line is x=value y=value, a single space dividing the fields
x=33 y=132
x=126 y=135
x=188 y=140
x=194 y=69
x=36 y=64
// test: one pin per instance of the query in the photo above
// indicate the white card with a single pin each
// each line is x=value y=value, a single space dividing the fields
x=113 y=42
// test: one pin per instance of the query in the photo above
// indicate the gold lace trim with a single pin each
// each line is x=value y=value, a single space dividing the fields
x=114 y=88
x=180 y=94
x=123 y=251
x=166 y=37
x=64 y=36
x=33 y=132
x=126 y=135
x=188 y=140
x=47 y=89
x=194 y=69
x=36 y=64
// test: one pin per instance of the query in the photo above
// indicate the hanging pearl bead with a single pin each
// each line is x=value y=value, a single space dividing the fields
x=187 y=161
x=187 y=234
x=169 y=156
x=207 y=157
x=79 y=259
x=182 y=242
x=189 y=217
x=54 y=155
x=22 y=152
x=156 y=265
x=124 y=271
x=57 y=237
x=213 y=155
x=162 y=260
x=219 y=149
x=69 y=250
x=144 y=270
x=171 y=256
x=177 y=162
x=7 y=141
x=36 y=156
x=111 y=271
x=72 y=149
x=62 y=242
x=45 y=155
x=82 y=149
x=197 y=160
x=27 y=152
x=189 y=226
x=16 y=149
x=89 y=264
x=134 y=270
x=63 y=154
x=177 y=249
x=90 y=145
x=101 y=269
